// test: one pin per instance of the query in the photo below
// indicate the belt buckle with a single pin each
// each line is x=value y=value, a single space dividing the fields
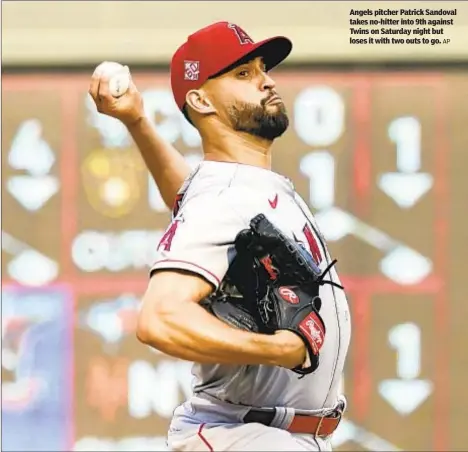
x=339 y=415
x=317 y=432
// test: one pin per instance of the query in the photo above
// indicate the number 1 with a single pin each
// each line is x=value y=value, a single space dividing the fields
x=405 y=339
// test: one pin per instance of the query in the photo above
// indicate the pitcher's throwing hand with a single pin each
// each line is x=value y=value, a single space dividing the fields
x=128 y=108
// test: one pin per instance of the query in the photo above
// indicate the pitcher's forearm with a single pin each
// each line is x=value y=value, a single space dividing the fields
x=167 y=166
x=192 y=334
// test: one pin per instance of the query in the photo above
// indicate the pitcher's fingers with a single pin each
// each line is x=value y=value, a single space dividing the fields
x=94 y=87
x=104 y=90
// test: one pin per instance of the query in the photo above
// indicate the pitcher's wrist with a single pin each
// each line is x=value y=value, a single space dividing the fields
x=291 y=348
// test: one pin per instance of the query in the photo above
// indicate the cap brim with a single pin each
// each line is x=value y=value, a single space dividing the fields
x=273 y=50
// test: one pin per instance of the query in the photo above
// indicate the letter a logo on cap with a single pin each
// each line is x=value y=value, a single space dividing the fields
x=243 y=37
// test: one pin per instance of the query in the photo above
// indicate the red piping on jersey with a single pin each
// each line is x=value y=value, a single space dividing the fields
x=202 y=437
x=190 y=263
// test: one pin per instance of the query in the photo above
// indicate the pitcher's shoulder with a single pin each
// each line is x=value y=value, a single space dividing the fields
x=247 y=201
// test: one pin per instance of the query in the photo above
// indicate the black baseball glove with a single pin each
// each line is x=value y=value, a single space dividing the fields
x=285 y=283
x=272 y=284
x=235 y=310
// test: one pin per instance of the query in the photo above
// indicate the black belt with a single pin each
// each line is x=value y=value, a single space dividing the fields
x=308 y=424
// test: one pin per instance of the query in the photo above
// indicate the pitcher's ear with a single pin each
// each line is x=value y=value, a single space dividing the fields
x=199 y=102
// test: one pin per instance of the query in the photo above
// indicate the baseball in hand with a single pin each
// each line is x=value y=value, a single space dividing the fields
x=119 y=77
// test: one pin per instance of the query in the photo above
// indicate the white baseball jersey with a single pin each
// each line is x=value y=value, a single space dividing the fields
x=215 y=203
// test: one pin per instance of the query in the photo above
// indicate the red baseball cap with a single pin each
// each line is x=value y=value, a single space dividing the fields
x=213 y=49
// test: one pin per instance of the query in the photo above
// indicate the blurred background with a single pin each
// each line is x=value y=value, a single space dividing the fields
x=377 y=147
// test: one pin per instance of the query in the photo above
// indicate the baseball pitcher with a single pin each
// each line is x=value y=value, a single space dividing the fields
x=243 y=285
